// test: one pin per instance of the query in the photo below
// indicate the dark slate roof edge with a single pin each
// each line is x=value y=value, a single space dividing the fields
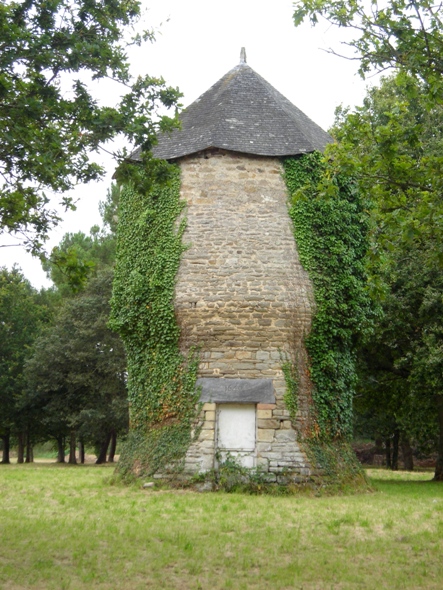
x=298 y=133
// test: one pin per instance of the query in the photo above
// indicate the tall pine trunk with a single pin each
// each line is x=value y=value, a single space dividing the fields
x=103 y=450
x=6 y=438
x=72 y=444
x=438 y=476
x=60 y=449
x=21 y=447
x=29 y=449
x=113 y=447
x=81 y=451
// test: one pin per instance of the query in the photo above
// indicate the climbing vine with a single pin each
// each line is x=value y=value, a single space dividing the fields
x=161 y=381
x=330 y=228
x=291 y=375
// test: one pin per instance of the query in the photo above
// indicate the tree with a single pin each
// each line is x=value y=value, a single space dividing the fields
x=392 y=402
x=404 y=34
x=49 y=121
x=77 y=258
x=77 y=373
x=392 y=145
x=20 y=318
x=404 y=174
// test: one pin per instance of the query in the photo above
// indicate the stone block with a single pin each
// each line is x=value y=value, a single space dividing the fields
x=266 y=406
x=286 y=424
x=263 y=414
x=264 y=435
x=210 y=416
x=208 y=407
x=243 y=354
x=281 y=413
x=262 y=463
x=268 y=423
x=206 y=443
x=206 y=434
x=206 y=463
x=263 y=447
x=286 y=463
x=285 y=435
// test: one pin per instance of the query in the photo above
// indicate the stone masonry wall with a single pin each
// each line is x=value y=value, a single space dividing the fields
x=243 y=296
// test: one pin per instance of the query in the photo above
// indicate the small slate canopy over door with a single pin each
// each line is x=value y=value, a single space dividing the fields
x=236 y=432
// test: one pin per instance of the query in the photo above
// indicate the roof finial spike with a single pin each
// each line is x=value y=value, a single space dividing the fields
x=243 y=55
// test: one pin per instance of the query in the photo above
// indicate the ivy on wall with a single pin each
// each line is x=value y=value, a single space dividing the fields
x=291 y=375
x=161 y=381
x=330 y=228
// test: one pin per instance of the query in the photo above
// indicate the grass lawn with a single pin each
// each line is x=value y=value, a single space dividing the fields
x=65 y=527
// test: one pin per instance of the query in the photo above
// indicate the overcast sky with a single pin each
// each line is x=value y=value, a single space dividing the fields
x=198 y=41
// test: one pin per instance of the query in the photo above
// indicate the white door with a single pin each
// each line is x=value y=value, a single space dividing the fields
x=236 y=432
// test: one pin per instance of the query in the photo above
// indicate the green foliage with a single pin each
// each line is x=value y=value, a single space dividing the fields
x=77 y=258
x=232 y=477
x=159 y=448
x=405 y=34
x=77 y=372
x=161 y=381
x=397 y=379
x=392 y=145
x=22 y=311
x=336 y=465
x=330 y=228
x=49 y=121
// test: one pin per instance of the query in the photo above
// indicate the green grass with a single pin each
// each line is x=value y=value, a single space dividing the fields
x=65 y=527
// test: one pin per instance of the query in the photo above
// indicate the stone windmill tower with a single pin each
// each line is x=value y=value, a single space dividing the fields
x=241 y=293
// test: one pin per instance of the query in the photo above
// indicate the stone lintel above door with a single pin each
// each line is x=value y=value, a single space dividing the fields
x=246 y=391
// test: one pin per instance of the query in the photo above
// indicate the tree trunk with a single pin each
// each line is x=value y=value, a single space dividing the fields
x=21 y=447
x=72 y=442
x=29 y=449
x=81 y=451
x=113 y=447
x=6 y=460
x=438 y=476
x=60 y=449
x=406 y=449
x=388 y=453
x=103 y=450
x=395 y=445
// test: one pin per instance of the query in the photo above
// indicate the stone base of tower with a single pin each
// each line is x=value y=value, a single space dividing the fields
x=276 y=455
x=277 y=459
x=243 y=297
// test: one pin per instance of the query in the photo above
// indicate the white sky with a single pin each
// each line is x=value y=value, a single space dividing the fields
x=199 y=43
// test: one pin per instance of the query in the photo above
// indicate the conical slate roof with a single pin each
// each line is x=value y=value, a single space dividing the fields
x=242 y=113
